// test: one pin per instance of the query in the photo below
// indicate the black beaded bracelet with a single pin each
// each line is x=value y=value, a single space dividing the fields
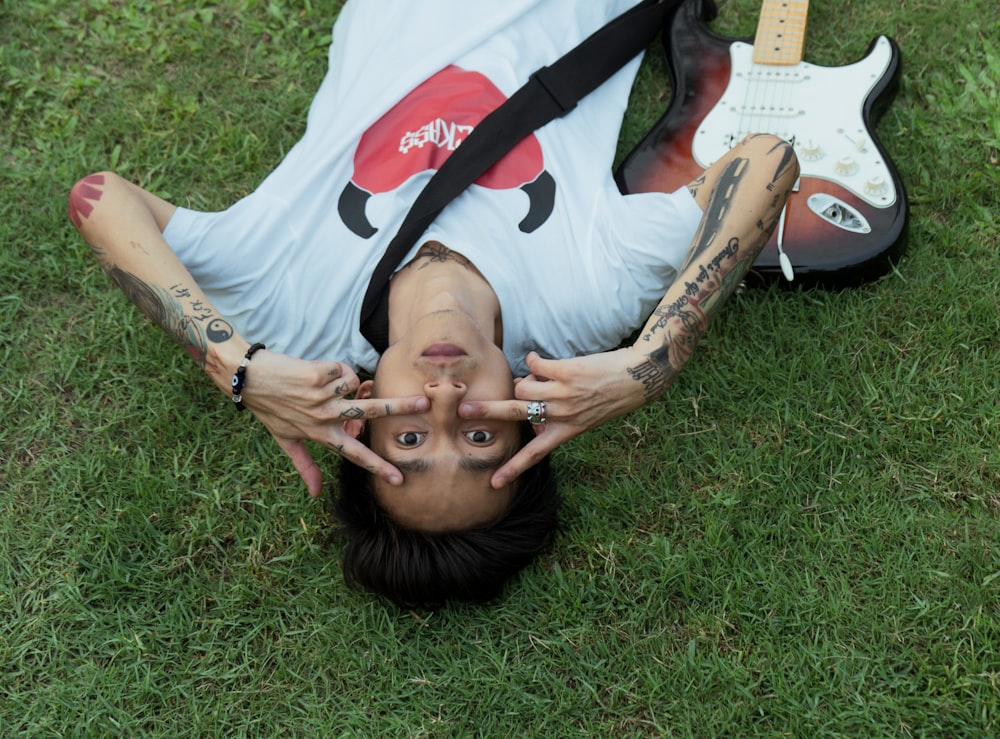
x=240 y=378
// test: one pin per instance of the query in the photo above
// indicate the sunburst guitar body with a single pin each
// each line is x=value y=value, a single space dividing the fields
x=846 y=221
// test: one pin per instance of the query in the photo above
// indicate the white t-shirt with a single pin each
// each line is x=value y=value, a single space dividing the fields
x=575 y=265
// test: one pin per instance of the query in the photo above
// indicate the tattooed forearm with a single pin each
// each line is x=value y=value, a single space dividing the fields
x=679 y=328
x=187 y=320
x=661 y=366
x=654 y=373
x=722 y=251
x=682 y=329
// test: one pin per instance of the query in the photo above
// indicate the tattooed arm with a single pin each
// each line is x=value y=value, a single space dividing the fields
x=123 y=225
x=296 y=400
x=742 y=196
x=731 y=234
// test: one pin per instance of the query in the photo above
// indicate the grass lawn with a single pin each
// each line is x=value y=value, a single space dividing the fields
x=802 y=538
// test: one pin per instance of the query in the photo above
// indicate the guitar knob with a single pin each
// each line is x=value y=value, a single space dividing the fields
x=876 y=185
x=812 y=151
x=846 y=166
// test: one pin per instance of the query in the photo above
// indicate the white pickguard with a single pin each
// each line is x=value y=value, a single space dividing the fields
x=818 y=108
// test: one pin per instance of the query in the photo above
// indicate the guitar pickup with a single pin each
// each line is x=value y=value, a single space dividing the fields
x=838 y=213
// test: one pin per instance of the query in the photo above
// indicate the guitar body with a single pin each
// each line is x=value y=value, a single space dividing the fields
x=846 y=223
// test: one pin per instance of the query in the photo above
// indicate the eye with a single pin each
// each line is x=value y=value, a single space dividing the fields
x=410 y=439
x=479 y=436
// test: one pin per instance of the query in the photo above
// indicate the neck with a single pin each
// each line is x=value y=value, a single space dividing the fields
x=438 y=279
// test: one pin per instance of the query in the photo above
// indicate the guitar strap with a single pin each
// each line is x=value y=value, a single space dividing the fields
x=551 y=92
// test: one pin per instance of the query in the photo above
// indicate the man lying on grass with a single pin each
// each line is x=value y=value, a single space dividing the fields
x=446 y=491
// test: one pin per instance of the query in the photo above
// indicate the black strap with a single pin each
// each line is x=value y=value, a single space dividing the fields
x=550 y=93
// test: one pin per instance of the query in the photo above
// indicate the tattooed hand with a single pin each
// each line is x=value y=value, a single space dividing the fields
x=741 y=196
x=579 y=394
x=299 y=401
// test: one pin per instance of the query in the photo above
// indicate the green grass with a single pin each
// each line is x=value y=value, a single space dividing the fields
x=801 y=539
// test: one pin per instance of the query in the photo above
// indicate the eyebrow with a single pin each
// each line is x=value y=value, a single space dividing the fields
x=469 y=464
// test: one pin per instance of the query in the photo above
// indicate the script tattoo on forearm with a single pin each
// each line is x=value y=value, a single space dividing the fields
x=185 y=318
x=716 y=264
x=680 y=327
x=682 y=323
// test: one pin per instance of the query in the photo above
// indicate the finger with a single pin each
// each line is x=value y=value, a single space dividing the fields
x=527 y=457
x=541 y=369
x=496 y=410
x=357 y=453
x=308 y=470
x=344 y=380
x=379 y=407
x=531 y=388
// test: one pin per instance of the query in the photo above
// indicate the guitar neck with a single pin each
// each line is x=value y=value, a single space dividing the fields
x=781 y=32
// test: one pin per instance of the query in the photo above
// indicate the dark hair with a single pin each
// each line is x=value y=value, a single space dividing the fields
x=419 y=568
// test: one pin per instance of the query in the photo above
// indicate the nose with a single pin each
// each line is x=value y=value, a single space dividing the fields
x=445 y=390
x=445 y=395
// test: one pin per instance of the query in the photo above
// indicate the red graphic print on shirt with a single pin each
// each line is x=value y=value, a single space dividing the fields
x=421 y=131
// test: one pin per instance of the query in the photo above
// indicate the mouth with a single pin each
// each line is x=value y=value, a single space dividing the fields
x=444 y=350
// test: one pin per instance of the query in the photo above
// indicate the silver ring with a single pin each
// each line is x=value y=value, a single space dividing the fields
x=536 y=412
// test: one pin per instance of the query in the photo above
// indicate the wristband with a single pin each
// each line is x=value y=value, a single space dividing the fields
x=240 y=377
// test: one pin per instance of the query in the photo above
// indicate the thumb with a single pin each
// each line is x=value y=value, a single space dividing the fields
x=308 y=470
x=541 y=369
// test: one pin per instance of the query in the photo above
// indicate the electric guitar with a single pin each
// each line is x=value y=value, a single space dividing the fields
x=846 y=221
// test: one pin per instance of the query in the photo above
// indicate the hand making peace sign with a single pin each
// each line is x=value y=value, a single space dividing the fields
x=299 y=400
x=578 y=394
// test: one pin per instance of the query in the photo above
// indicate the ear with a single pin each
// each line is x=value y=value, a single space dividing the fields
x=355 y=426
